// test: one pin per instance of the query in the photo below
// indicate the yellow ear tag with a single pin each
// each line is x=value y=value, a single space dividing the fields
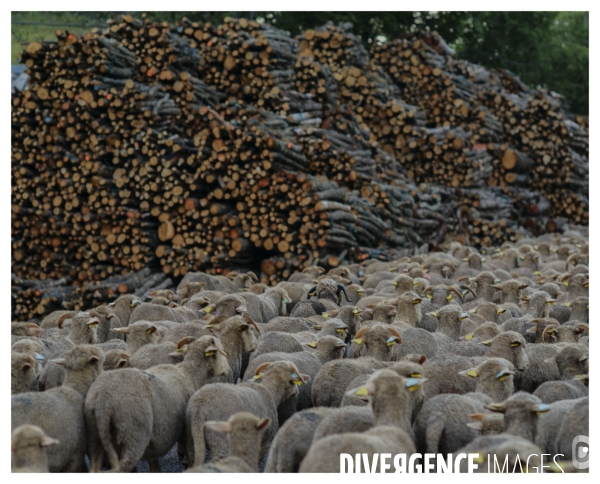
x=341 y=330
x=313 y=344
x=394 y=283
x=472 y=373
x=413 y=388
x=586 y=285
x=311 y=293
x=415 y=375
x=515 y=344
x=358 y=341
x=566 y=283
x=150 y=331
x=258 y=376
x=209 y=353
x=297 y=382
x=362 y=392
x=360 y=293
x=479 y=459
x=469 y=336
x=502 y=378
x=449 y=297
x=91 y=325
x=325 y=315
x=429 y=296
x=207 y=309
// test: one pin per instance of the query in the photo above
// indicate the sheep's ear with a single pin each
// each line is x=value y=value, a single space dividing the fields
x=48 y=441
x=262 y=423
x=209 y=351
x=121 y=330
x=305 y=378
x=58 y=361
x=496 y=407
x=312 y=344
x=540 y=408
x=475 y=425
x=93 y=359
x=224 y=427
x=151 y=329
x=185 y=341
x=532 y=330
x=93 y=322
x=422 y=360
x=122 y=362
x=26 y=366
x=261 y=368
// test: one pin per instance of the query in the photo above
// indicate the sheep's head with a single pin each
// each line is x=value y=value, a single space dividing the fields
x=25 y=329
x=494 y=377
x=206 y=351
x=241 y=326
x=520 y=411
x=509 y=345
x=140 y=332
x=115 y=359
x=81 y=358
x=377 y=341
x=283 y=375
x=27 y=437
x=331 y=347
x=243 y=423
x=449 y=319
x=230 y=305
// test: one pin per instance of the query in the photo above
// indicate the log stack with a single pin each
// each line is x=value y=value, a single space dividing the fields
x=188 y=147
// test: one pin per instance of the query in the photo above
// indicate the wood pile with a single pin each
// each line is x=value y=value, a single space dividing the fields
x=197 y=147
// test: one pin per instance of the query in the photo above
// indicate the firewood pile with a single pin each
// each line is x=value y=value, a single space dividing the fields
x=197 y=147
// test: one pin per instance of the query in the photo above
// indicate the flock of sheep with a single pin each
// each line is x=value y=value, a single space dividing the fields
x=443 y=353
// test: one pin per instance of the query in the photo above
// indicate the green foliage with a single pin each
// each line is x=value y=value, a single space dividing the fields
x=550 y=49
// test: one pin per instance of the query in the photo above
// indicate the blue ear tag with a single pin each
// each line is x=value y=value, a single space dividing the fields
x=39 y=357
x=390 y=341
x=295 y=376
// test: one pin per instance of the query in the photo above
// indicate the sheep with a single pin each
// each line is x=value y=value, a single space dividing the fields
x=441 y=425
x=329 y=290
x=376 y=341
x=553 y=391
x=257 y=288
x=484 y=332
x=580 y=309
x=273 y=384
x=244 y=431
x=153 y=419
x=487 y=423
x=540 y=367
x=212 y=283
x=33 y=348
x=355 y=293
x=288 y=324
x=293 y=342
x=122 y=307
x=484 y=290
x=449 y=323
x=491 y=312
x=572 y=360
x=22 y=372
x=389 y=394
x=234 y=304
x=295 y=292
x=374 y=280
x=406 y=369
x=156 y=312
x=415 y=341
x=575 y=422
x=349 y=315
x=441 y=294
x=306 y=309
x=555 y=333
x=106 y=317
x=324 y=349
x=331 y=380
x=28 y=449
x=408 y=310
x=25 y=329
x=308 y=274
x=59 y=411
x=347 y=419
x=549 y=424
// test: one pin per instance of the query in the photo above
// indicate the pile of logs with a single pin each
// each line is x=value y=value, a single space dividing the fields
x=188 y=147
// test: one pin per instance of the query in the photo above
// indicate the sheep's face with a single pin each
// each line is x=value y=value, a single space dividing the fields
x=573 y=360
x=377 y=341
x=509 y=345
x=207 y=350
x=22 y=372
x=249 y=341
x=140 y=333
x=521 y=408
x=286 y=376
x=494 y=377
x=330 y=347
x=82 y=357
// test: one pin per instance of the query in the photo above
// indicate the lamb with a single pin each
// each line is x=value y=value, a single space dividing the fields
x=158 y=398
x=157 y=312
x=28 y=448
x=244 y=437
x=441 y=426
x=273 y=384
x=59 y=411
x=326 y=348
x=389 y=394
